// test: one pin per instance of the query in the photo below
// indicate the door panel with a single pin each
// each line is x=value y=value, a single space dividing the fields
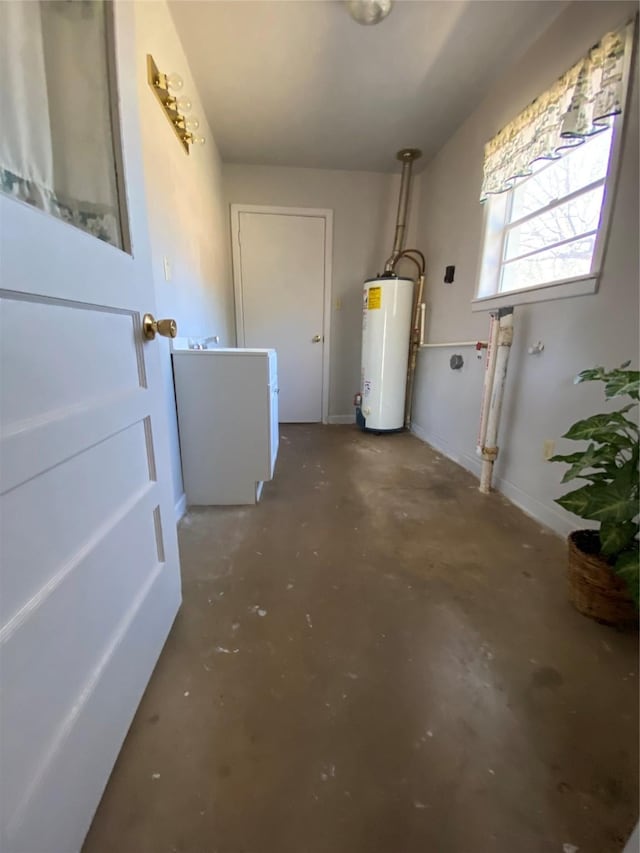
x=33 y=562
x=94 y=729
x=67 y=333
x=43 y=654
x=282 y=277
x=89 y=566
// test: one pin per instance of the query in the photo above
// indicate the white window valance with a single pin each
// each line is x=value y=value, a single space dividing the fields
x=578 y=105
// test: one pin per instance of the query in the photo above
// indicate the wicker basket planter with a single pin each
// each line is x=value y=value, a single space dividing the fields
x=594 y=589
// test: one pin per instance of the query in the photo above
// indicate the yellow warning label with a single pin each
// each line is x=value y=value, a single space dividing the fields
x=375 y=298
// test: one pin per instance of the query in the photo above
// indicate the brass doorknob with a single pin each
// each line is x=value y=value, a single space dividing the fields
x=316 y=339
x=152 y=327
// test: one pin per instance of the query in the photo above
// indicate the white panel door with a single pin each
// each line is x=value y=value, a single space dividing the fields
x=89 y=573
x=281 y=303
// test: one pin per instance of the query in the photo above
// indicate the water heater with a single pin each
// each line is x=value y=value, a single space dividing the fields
x=386 y=330
x=391 y=331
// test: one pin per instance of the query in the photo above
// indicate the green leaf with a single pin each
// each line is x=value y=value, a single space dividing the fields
x=576 y=501
x=593 y=457
x=623 y=383
x=626 y=478
x=585 y=461
x=597 y=477
x=603 y=428
x=619 y=381
x=628 y=567
x=627 y=408
x=569 y=458
x=613 y=502
x=589 y=375
x=614 y=538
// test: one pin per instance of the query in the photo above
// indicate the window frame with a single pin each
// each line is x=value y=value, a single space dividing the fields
x=487 y=296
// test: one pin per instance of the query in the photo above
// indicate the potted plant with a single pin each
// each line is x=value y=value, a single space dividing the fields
x=603 y=562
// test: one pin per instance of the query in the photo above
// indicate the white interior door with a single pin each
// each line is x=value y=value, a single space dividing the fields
x=281 y=260
x=89 y=572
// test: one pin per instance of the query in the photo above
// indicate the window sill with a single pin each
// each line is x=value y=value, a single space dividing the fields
x=541 y=293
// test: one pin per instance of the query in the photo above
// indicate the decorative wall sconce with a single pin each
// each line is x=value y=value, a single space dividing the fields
x=165 y=87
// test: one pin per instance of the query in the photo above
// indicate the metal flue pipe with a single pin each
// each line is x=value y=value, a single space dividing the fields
x=406 y=157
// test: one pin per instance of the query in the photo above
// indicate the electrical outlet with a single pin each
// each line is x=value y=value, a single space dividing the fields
x=166 y=264
x=548 y=449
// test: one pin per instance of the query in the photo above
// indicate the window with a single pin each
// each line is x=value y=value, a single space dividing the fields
x=549 y=228
x=548 y=182
x=58 y=148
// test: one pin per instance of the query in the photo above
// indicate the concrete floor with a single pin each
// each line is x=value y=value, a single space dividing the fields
x=377 y=659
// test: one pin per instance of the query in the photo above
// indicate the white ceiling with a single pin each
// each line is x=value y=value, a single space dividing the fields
x=302 y=84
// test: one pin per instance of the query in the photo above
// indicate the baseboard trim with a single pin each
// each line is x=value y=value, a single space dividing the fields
x=466 y=460
x=342 y=419
x=527 y=503
x=181 y=506
x=533 y=507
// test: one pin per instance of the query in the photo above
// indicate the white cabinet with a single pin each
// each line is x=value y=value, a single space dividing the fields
x=274 y=435
x=228 y=419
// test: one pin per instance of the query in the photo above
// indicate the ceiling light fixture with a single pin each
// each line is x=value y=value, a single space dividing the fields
x=369 y=11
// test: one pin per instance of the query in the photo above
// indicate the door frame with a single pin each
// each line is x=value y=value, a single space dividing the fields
x=316 y=213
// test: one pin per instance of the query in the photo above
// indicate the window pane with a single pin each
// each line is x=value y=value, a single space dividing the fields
x=57 y=147
x=566 y=261
x=571 y=219
x=577 y=168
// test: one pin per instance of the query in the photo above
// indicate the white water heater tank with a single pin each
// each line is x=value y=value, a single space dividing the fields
x=386 y=331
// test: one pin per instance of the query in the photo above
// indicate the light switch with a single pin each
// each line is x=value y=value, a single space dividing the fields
x=166 y=264
x=338 y=303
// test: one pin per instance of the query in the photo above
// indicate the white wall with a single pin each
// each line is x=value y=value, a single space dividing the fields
x=187 y=220
x=541 y=400
x=364 y=206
